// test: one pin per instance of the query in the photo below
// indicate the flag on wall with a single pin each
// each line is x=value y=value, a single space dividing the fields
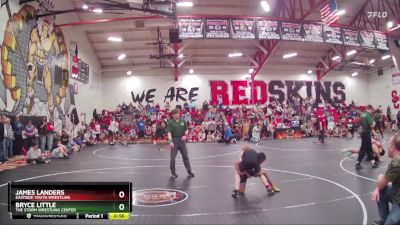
x=328 y=13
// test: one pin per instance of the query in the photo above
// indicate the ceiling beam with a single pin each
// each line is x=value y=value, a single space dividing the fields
x=182 y=62
x=109 y=28
x=91 y=22
x=167 y=22
x=323 y=63
x=203 y=56
x=211 y=66
x=126 y=41
x=259 y=46
x=253 y=62
x=262 y=58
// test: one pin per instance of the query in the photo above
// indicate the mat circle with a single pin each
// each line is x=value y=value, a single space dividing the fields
x=158 y=197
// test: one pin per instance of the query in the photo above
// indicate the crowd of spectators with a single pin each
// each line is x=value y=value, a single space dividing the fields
x=294 y=118
x=37 y=142
x=129 y=124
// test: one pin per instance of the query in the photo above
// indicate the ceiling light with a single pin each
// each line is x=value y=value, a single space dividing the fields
x=354 y=74
x=390 y=24
x=309 y=72
x=337 y=58
x=114 y=39
x=122 y=56
x=265 y=6
x=98 y=10
x=184 y=4
x=351 y=52
x=85 y=6
x=129 y=73
x=371 y=61
x=191 y=71
x=358 y=63
x=181 y=55
x=386 y=57
x=341 y=12
x=290 y=55
x=251 y=70
x=236 y=54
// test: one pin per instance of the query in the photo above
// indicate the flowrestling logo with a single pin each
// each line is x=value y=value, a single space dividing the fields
x=380 y=15
x=158 y=197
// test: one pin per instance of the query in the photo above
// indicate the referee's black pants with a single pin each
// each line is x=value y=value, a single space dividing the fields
x=180 y=146
x=366 y=146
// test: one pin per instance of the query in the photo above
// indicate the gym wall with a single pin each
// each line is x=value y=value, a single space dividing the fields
x=14 y=86
x=162 y=84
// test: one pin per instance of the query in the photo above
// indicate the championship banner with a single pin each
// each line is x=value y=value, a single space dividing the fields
x=243 y=28
x=83 y=72
x=291 y=31
x=381 y=41
x=217 y=28
x=350 y=37
x=264 y=29
x=395 y=76
x=268 y=29
x=191 y=28
x=74 y=61
x=333 y=35
x=313 y=33
x=367 y=39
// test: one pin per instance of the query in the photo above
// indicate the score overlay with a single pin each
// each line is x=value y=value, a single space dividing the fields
x=70 y=200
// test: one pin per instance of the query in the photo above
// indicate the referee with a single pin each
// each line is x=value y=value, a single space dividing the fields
x=367 y=125
x=177 y=136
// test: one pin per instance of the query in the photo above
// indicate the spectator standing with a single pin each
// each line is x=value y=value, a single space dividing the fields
x=50 y=134
x=95 y=115
x=18 y=127
x=398 y=118
x=42 y=130
x=192 y=106
x=140 y=126
x=389 y=114
x=3 y=156
x=30 y=133
x=8 y=138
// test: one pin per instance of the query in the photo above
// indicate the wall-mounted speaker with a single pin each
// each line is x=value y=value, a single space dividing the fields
x=139 y=24
x=380 y=71
x=397 y=43
x=174 y=36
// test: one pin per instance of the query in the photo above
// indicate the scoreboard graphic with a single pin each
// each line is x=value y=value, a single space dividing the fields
x=81 y=200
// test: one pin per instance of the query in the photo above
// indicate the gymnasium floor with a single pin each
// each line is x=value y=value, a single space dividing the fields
x=318 y=184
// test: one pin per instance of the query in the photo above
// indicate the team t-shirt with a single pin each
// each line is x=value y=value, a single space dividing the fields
x=250 y=163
